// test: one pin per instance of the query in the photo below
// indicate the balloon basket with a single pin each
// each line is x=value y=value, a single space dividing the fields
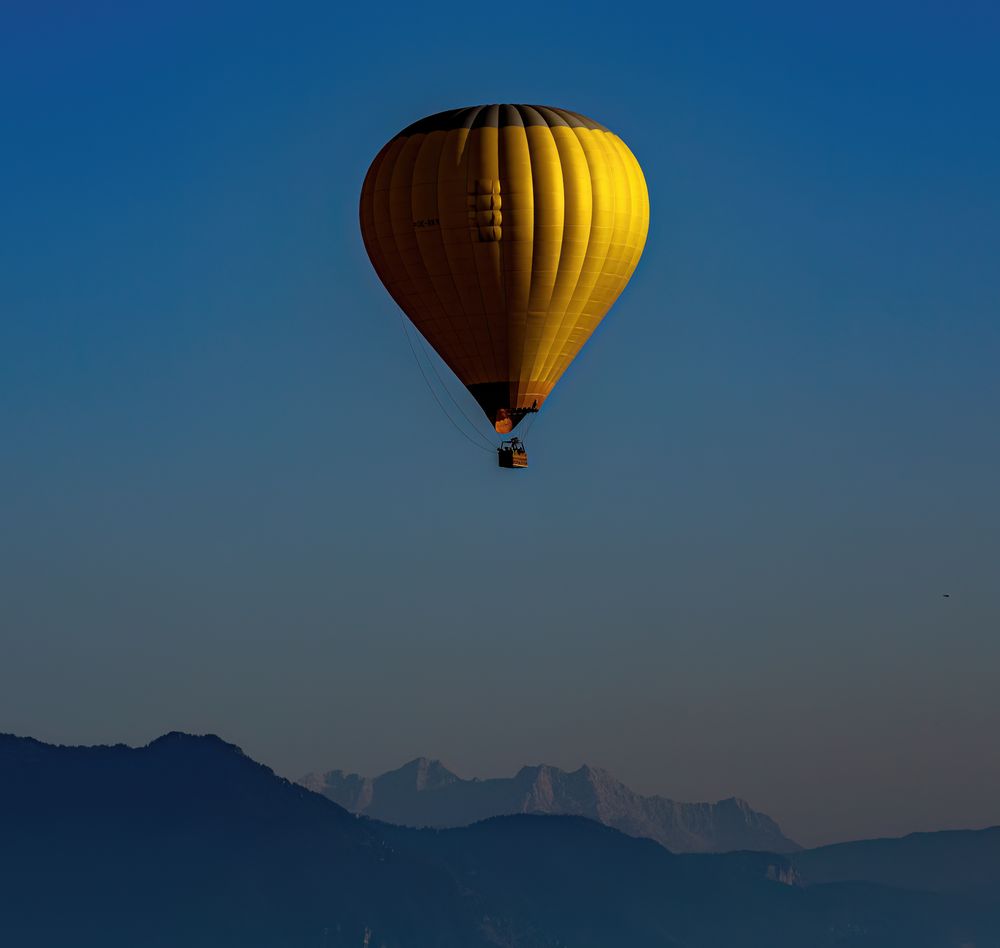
x=512 y=454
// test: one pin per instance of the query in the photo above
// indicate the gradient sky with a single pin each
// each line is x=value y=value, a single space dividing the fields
x=229 y=504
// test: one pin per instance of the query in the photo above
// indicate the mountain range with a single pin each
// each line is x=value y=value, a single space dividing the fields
x=952 y=861
x=187 y=841
x=424 y=793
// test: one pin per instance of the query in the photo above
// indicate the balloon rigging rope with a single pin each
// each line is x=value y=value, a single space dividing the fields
x=440 y=404
x=527 y=427
x=454 y=401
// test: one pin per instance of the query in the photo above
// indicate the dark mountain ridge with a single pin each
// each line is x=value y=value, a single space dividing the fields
x=424 y=793
x=947 y=861
x=189 y=842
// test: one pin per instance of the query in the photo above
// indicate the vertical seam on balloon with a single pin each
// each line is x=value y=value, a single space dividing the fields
x=562 y=236
x=367 y=192
x=420 y=250
x=641 y=192
x=640 y=178
x=423 y=259
x=562 y=244
x=597 y=137
x=626 y=174
x=524 y=333
x=427 y=309
x=371 y=239
x=503 y=372
x=573 y=311
x=608 y=149
x=534 y=215
x=444 y=150
x=472 y=128
x=550 y=354
x=570 y=317
x=472 y=244
x=385 y=242
x=476 y=110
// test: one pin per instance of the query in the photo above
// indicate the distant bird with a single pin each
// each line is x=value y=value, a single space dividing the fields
x=946 y=595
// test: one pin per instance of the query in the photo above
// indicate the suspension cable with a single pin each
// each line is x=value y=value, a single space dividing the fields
x=434 y=394
x=527 y=428
x=454 y=401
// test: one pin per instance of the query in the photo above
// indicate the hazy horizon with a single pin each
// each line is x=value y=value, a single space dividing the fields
x=807 y=841
x=229 y=505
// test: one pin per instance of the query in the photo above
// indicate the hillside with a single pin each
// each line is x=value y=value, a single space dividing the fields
x=950 y=861
x=188 y=842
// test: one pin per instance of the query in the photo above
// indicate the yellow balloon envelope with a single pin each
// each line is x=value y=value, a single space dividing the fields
x=505 y=233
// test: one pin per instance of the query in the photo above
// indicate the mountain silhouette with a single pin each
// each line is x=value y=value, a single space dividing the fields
x=188 y=842
x=965 y=861
x=425 y=793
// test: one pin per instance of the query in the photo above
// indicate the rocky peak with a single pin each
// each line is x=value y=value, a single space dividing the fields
x=422 y=773
x=425 y=793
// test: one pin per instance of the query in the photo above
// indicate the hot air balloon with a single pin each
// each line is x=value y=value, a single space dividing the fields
x=505 y=233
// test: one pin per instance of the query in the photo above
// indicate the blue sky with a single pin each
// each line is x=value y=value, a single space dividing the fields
x=229 y=503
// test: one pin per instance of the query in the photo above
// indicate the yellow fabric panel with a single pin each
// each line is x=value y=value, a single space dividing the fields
x=517 y=243
x=609 y=282
x=640 y=201
x=451 y=212
x=403 y=236
x=418 y=202
x=367 y=212
x=630 y=221
x=418 y=305
x=549 y=202
x=505 y=236
x=579 y=208
x=487 y=271
x=568 y=340
x=448 y=335
x=380 y=236
x=457 y=292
